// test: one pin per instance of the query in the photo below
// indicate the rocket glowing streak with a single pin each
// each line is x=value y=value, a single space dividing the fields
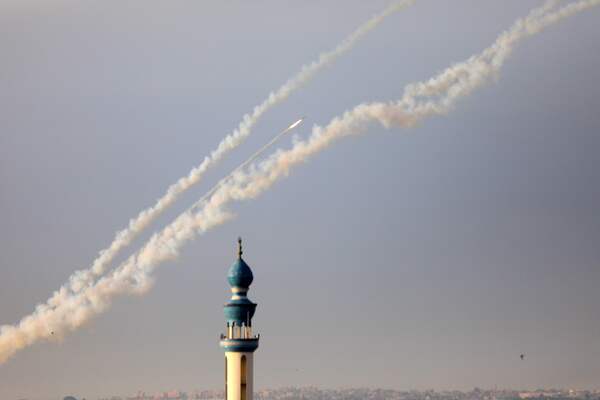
x=295 y=124
x=243 y=165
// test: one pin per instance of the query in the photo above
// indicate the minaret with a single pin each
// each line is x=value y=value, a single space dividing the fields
x=239 y=343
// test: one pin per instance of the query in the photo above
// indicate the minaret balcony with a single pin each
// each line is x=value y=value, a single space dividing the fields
x=242 y=345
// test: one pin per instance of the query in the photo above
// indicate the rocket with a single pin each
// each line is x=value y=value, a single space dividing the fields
x=253 y=157
x=295 y=124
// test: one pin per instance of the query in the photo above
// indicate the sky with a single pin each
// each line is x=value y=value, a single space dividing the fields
x=405 y=258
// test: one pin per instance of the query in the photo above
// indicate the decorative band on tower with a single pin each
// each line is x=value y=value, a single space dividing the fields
x=239 y=342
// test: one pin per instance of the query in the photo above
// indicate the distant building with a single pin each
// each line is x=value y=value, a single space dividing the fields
x=239 y=343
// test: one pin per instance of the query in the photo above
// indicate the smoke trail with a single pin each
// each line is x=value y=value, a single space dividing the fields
x=82 y=278
x=248 y=161
x=419 y=101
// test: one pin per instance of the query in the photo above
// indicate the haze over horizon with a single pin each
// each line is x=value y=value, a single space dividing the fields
x=433 y=256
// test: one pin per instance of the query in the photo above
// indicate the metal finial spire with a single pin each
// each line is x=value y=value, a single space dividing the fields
x=240 y=251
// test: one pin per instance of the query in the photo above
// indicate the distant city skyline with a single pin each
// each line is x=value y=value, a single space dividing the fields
x=310 y=393
x=407 y=259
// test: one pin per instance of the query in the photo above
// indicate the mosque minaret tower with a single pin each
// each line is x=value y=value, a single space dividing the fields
x=239 y=342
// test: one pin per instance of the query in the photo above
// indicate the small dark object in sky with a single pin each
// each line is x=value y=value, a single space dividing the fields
x=522 y=356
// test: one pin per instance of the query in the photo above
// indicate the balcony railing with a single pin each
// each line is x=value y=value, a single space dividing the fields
x=239 y=332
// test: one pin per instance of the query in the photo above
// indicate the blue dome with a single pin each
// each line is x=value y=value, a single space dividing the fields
x=240 y=274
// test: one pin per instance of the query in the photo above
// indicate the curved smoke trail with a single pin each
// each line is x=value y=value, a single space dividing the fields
x=80 y=279
x=420 y=100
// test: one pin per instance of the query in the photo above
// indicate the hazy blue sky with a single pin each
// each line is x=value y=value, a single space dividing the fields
x=428 y=258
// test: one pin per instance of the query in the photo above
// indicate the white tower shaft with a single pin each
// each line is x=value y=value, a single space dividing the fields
x=239 y=374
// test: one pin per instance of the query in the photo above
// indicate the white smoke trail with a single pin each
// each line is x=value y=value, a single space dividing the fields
x=248 y=161
x=82 y=278
x=419 y=101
